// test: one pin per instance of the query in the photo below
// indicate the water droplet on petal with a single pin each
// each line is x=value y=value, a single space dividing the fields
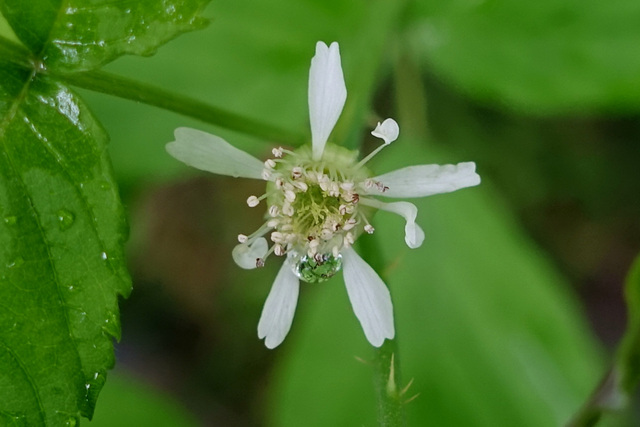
x=65 y=219
x=317 y=269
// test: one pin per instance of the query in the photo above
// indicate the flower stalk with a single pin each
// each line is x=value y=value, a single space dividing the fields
x=111 y=84
x=391 y=395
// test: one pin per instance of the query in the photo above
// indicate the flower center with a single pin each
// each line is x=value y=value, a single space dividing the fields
x=313 y=209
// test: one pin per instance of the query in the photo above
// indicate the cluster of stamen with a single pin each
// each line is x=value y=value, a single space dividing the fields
x=312 y=205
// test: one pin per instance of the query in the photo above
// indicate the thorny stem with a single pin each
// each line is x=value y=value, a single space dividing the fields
x=386 y=364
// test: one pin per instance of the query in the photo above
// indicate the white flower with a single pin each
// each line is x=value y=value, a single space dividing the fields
x=318 y=201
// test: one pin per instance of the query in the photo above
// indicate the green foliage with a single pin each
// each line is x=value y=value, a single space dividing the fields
x=629 y=354
x=72 y=36
x=62 y=225
x=546 y=56
x=474 y=306
x=125 y=402
x=483 y=323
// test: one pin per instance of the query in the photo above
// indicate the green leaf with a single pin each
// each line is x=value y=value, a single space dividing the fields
x=485 y=327
x=75 y=35
x=629 y=352
x=61 y=263
x=125 y=402
x=546 y=56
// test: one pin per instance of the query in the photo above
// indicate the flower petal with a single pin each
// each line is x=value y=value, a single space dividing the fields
x=246 y=255
x=327 y=94
x=425 y=180
x=279 y=308
x=387 y=130
x=369 y=298
x=413 y=234
x=213 y=154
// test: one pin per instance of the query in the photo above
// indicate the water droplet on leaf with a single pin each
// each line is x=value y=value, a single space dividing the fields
x=317 y=269
x=17 y=262
x=104 y=256
x=112 y=325
x=65 y=219
x=10 y=220
x=93 y=387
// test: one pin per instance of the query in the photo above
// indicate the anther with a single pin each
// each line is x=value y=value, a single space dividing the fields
x=274 y=210
x=301 y=185
x=369 y=228
x=347 y=185
x=296 y=172
x=270 y=163
x=259 y=262
x=351 y=222
x=277 y=237
x=287 y=209
x=289 y=196
x=253 y=201
x=278 y=250
x=277 y=152
x=242 y=238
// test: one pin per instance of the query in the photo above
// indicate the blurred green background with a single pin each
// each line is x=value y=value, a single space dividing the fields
x=509 y=312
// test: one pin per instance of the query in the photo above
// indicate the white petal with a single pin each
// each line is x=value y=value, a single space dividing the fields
x=213 y=154
x=327 y=94
x=369 y=298
x=279 y=308
x=246 y=255
x=425 y=180
x=387 y=130
x=413 y=234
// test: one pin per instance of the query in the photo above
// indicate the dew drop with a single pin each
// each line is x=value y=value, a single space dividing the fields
x=10 y=220
x=17 y=262
x=93 y=387
x=317 y=269
x=104 y=256
x=111 y=325
x=65 y=219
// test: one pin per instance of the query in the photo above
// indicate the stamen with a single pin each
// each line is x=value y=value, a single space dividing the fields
x=274 y=210
x=270 y=163
x=371 y=155
x=259 y=262
x=287 y=209
x=253 y=201
x=296 y=172
x=290 y=196
x=369 y=228
x=277 y=152
x=242 y=238
x=301 y=185
x=351 y=222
